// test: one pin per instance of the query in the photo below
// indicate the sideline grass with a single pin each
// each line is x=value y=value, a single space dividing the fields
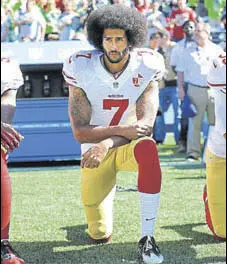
x=48 y=224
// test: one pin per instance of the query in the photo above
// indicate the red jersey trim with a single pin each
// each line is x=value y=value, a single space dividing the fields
x=217 y=84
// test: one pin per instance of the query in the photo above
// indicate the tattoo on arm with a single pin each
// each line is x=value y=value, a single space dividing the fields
x=147 y=104
x=79 y=107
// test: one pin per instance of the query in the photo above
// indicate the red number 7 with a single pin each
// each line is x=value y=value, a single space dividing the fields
x=122 y=105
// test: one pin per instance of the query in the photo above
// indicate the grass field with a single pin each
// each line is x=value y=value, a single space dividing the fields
x=48 y=224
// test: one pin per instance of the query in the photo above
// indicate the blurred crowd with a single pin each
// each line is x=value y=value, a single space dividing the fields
x=39 y=20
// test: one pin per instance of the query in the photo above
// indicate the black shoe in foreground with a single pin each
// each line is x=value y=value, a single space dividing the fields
x=149 y=252
x=8 y=254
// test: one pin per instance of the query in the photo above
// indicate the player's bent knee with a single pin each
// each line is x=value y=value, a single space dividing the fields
x=146 y=155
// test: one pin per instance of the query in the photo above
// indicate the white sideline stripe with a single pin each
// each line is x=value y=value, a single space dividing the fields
x=163 y=165
x=44 y=168
x=182 y=163
x=42 y=125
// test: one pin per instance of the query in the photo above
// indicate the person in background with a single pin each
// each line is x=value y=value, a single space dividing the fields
x=123 y=2
x=4 y=26
x=155 y=18
x=68 y=22
x=175 y=59
x=179 y=17
x=195 y=63
x=155 y=40
x=142 y=6
x=52 y=14
x=215 y=189
x=30 y=22
x=115 y=128
x=11 y=80
x=223 y=21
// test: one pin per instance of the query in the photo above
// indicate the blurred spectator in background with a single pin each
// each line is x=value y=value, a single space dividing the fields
x=155 y=18
x=175 y=59
x=201 y=10
x=167 y=6
x=42 y=4
x=179 y=17
x=30 y=22
x=52 y=15
x=60 y=5
x=223 y=17
x=83 y=9
x=4 y=26
x=223 y=35
x=68 y=22
x=195 y=62
x=8 y=33
x=155 y=40
x=168 y=96
x=98 y=3
x=122 y=2
x=142 y=6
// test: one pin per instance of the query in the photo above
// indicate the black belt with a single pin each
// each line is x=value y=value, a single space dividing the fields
x=200 y=86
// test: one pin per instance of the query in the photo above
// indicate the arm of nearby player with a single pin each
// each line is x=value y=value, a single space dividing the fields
x=8 y=105
x=10 y=138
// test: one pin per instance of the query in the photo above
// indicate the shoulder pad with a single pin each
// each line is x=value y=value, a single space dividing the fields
x=217 y=74
x=76 y=65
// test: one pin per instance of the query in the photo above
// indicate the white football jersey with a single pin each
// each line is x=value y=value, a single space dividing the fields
x=217 y=81
x=11 y=76
x=113 y=99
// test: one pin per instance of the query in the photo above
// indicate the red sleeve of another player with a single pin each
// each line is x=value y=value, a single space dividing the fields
x=5 y=193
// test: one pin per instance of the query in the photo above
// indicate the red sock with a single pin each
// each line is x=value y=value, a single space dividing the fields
x=6 y=196
x=149 y=178
x=5 y=232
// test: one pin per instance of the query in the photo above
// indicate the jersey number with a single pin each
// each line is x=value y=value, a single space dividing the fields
x=122 y=105
x=223 y=57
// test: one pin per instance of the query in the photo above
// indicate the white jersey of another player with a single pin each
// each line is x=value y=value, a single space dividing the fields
x=217 y=81
x=11 y=76
x=113 y=98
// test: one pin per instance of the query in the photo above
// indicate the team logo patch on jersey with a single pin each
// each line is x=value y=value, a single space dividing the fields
x=115 y=85
x=138 y=80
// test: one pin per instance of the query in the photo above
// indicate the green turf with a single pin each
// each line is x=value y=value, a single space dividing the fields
x=48 y=223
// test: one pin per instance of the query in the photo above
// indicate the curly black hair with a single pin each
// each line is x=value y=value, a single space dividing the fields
x=117 y=17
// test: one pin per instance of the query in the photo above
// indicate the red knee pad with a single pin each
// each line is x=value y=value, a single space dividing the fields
x=149 y=178
x=6 y=194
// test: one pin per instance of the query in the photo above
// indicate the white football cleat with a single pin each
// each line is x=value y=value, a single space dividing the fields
x=149 y=252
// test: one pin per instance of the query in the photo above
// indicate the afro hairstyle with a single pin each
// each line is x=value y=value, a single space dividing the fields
x=117 y=17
